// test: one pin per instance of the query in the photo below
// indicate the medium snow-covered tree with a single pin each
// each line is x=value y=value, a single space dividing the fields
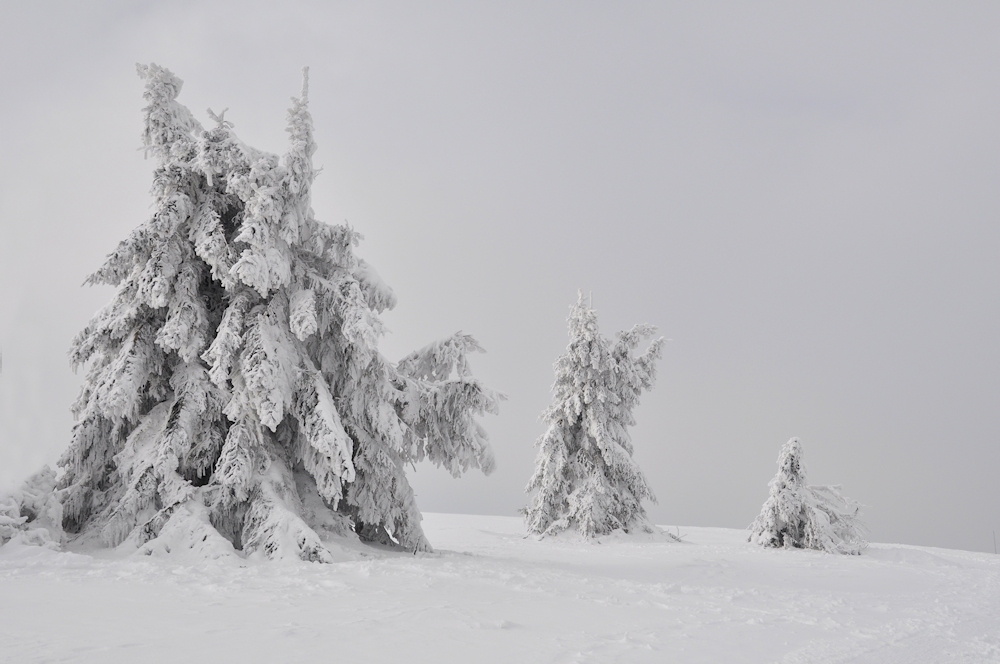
x=797 y=515
x=585 y=477
x=234 y=386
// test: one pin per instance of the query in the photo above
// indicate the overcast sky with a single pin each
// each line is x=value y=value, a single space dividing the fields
x=805 y=199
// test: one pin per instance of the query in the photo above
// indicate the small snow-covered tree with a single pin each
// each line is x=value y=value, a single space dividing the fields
x=585 y=477
x=781 y=522
x=33 y=514
x=797 y=515
x=234 y=386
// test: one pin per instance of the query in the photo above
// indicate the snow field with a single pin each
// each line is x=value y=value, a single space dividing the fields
x=490 y=595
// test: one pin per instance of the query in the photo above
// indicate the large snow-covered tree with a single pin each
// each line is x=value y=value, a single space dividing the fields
x=797 y=515
x=585 y=477
x=234 y=388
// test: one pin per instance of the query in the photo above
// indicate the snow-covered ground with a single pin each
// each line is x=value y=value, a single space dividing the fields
x=490 y=595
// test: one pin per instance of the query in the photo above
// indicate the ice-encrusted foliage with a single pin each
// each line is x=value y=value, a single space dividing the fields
x=797 y=515
x=585 y=477
x=234 y=380
x=33 y=514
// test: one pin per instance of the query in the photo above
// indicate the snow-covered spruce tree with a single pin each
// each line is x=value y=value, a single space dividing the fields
x=234 y=387
x=585 y=477
x=797 y=515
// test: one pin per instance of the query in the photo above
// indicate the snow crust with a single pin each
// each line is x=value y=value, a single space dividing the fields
x=490 y=594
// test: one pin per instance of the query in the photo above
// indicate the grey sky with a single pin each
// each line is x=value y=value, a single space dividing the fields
x=805 y=199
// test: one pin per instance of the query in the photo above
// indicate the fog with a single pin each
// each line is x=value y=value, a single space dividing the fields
x=804 y=199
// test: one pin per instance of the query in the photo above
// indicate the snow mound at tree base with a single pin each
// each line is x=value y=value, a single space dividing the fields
x=637 y=532
x=188 y=533
x=30 y=517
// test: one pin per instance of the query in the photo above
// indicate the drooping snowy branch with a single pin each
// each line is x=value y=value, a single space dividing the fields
x=440 y=402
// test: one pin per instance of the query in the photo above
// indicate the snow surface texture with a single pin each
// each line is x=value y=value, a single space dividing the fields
x=234 y=390
x=585 y=478
x=491 y=595
x=797 y=515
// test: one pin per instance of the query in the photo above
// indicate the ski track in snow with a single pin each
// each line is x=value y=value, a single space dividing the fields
x=490 y=595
